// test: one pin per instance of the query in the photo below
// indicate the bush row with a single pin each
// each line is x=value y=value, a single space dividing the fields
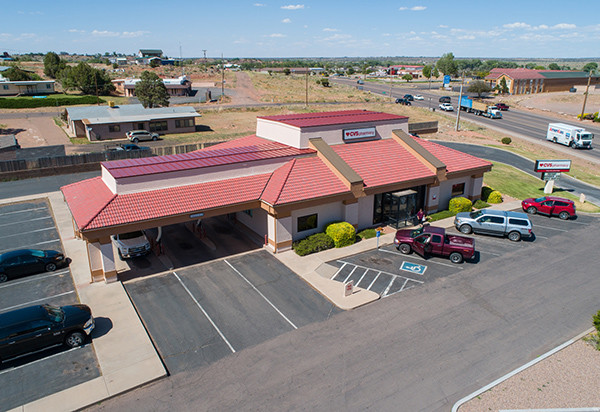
x=337 y=234
x=590 y=116
x=50 y=101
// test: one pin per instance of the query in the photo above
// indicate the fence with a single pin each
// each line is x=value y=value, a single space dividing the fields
x=423 y=127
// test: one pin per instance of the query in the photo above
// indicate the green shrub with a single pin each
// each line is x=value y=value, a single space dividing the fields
x=495 y=197
x=367 y=233
x=440 y=215
x=597 y=117
x=485 y=193
x=480 y=204
x=596 y=320
x=26 y=102
x=506 y=140
x=342 y=233
x=460 y=204
x=313 y=243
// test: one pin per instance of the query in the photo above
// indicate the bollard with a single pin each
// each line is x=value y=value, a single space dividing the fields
x=582 y=198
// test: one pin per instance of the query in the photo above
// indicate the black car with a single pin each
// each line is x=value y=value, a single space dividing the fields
x=409 y=97
x=35 y=327
x=403 y=101
x=25 y=262
x=128 y=148
x=445 y=99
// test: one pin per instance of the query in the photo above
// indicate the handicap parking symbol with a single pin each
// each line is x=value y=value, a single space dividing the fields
x=413 y=268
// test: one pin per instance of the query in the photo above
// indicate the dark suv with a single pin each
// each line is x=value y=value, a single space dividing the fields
x=403 y=101
x=551 y=206
x=35 y=327
x=445 y=99
x=409 y=97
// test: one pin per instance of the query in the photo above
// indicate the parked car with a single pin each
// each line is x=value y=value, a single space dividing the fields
x=418 y=97
x=128 y=148
x=137 y=135
x=445 y=99
x=551 y=206
x=403 y=102
x=502 y=106
x=131 y=244
x=431 y=240
x=409 y=97
x=515 y=225
x=360 y=81
x=35 y=327
x=25 y=262
x=446 y=107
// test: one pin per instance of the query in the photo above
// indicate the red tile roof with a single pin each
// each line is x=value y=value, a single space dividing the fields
x=332 y=118
x=212 y=156
x=86 y=199
x=382 y=162
x=517 y=74
x=454 y=160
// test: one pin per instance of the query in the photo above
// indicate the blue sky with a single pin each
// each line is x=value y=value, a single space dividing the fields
x=262 y=28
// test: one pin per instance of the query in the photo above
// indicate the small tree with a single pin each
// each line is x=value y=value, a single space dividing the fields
x=53 y=65
x=503 y=87
x=447 y=65
x=86 y=79
x=590 y=67
x=287 y=71
x=553 y=66
x=479 y=87
x=407 y=77
x=427 y=71
x=435 y=72
x=16 y=74
x=154 y=63
x=151 y=91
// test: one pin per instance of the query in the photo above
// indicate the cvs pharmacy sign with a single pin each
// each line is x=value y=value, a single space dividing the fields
x=355 y=134
x=552 y=165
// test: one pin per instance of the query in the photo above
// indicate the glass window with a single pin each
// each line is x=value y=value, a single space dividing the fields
x=423 y=239
x=518 y=222
x=248 y=212
x=5 y=86
x=184 y=123
x=48 y=86
x=114 y=128
x=496 y=219
x=458 y=189
x=158 y=126
x=307 y=222
x=140 y=126
x=436 y=239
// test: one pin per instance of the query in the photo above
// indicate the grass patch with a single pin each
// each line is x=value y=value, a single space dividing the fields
x=367 y=233
x=515 y=183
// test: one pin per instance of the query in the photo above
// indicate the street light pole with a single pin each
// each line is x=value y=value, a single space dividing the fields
x=585 y=97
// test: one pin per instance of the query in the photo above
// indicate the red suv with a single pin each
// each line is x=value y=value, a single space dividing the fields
x=550 y=205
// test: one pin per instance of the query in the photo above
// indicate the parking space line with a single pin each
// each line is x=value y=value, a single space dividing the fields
x=28 y=220
x=205 y=314
x=384 y=272
x=36 y=301
x=428 y=261
x=34 y=279
x=404 y=284
x=26 y=233
x=369 y=288
x=552 y=228
x=260 y=293
x=361 y=278
x=39 y=360
x=33 y=244
x=387 y=289
x=489 y=253
x=541 y=237
x=351 y=272
x=22 y=211
x=579 y=223
x=338 y=271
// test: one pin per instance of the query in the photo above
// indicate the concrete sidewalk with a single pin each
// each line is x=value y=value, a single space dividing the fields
x=126 y=356
x=312 y=267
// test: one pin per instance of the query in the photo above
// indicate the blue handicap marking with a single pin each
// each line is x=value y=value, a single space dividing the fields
x=413 y=268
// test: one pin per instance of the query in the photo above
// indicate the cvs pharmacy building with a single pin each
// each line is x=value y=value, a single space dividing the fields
x=298 y=173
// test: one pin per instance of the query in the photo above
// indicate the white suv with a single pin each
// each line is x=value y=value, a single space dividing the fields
x=131 y=244
x=446 y=107
x=137 y=135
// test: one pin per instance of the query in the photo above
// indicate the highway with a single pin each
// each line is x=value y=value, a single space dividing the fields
x=515 y=122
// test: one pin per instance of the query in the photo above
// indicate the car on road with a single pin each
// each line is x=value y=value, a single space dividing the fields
x=551 y=206
x=502 y=106
x=418 y=97
x=445 y=99
x=32 y=328
x=515 y=225
x=128 y=148
x=403 y=101
x=431 y=240
x=447 y=107
x=131 y=244
x=409 y=97
x=25 y=262
x=138 y=135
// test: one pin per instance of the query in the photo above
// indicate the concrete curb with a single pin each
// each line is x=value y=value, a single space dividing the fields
x=519 y=369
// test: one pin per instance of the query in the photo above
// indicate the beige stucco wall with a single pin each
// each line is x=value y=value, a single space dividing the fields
x=326 y=214
x=257 y=222
x=332 y=134
x=11 y=89
x=445 y=191
x=365 y=212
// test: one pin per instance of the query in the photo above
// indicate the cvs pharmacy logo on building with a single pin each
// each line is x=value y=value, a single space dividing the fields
x=354 y=134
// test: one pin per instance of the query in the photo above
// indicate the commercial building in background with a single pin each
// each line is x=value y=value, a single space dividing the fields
x=298 y=173
x=106 y=122
x=529 y=81
x=180 y=86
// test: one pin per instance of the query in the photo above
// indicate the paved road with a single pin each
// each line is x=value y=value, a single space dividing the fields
x=497 y=155
x=17 y=188
x=420 y=350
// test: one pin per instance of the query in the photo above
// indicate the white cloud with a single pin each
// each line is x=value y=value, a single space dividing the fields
x=276 y=35
x=286 y=21
x=414 y=8
x=329 y=29
x=467 y=37
x=76 y=31
x=517 y=25
x=443 y=26
x=259 y=5
x=125 y=34
x=564 y=26
x=293 y=7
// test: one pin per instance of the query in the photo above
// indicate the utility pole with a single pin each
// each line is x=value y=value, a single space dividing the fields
x=585 y=96
x=391 y=85
x=306 y=99
x=222 y=77
x=462 y=81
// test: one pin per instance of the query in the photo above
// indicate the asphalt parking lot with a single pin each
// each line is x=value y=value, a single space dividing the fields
x=388 y=272
x=199 y=314
x=31 y=225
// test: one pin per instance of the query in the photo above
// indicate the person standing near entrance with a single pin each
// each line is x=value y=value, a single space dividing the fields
x=421 y=217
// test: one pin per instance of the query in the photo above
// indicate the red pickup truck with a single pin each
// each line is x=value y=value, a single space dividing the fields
x=431 y=240
x=502 y=106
